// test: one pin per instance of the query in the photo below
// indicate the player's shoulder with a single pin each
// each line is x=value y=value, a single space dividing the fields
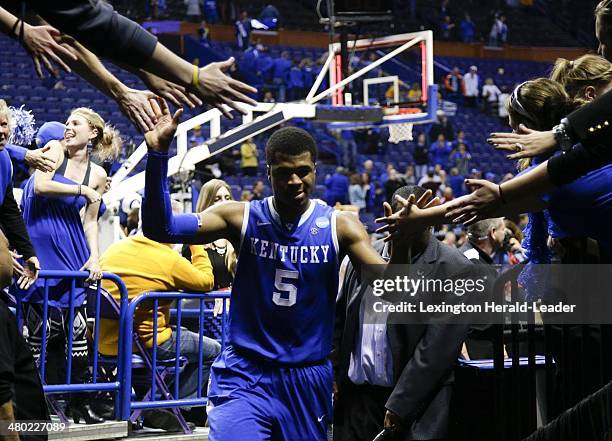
x=321 y=207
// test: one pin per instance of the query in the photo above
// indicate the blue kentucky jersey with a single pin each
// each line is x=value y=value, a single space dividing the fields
x=284 y=293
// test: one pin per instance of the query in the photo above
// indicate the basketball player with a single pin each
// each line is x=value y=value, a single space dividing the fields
x=273 y=381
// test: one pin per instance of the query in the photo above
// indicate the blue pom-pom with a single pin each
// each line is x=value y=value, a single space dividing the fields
x=24 y=131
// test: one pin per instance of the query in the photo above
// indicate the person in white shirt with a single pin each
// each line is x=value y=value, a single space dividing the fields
x=490 y=93
x=501 y=100
x=471 y=82
x=499 y=31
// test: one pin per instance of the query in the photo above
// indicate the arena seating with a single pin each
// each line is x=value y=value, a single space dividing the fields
x=552 y=18
x=21 y=87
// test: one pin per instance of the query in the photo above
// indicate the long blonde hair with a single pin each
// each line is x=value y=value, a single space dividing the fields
x=208 y=192
x=575 y=76
x=107 y=143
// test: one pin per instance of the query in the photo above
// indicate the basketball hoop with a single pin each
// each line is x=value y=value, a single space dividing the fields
x=400 y=131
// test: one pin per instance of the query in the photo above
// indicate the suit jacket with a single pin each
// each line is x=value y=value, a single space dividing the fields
x=423 y=355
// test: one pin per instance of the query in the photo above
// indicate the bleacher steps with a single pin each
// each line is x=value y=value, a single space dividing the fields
x=118 y=430
x=199 y=434
x=87 y=432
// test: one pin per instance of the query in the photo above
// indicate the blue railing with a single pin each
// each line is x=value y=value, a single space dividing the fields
x=69 y=386
x=128 y=404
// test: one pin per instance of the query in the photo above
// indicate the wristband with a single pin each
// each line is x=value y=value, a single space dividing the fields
x=195 y=77
x=14 y=28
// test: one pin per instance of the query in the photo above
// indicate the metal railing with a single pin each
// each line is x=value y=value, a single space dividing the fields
x=69 y=386
x=167 y=400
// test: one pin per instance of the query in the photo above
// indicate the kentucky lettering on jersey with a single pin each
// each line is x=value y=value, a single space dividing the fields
x=293 y=254
x=284 y=292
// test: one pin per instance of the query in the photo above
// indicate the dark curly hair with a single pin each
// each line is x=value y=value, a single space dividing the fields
x=291 y=141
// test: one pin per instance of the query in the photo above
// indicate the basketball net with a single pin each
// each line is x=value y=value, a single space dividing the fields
x=400 y=132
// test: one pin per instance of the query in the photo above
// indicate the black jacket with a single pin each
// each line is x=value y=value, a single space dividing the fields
x=13 y=226
x=591 y=125
x=97 y=25
x=19 y=380
x=423 y=355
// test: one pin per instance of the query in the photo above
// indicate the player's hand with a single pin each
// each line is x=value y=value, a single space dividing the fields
x=39 y=42
x=160 y=138
x=526 y=143
x=38 y=160
x=478 y=205
x=135 y=104
x=409 y=218
x=217 y=88
x=177 y=95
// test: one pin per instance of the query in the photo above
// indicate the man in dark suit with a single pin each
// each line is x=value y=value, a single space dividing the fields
x=391 y=374
x=485 y=242
x=21 y=392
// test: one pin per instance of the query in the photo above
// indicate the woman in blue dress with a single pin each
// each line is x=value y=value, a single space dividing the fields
x=60 y=209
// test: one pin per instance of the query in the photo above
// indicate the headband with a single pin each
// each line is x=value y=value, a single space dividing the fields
x=518 y=107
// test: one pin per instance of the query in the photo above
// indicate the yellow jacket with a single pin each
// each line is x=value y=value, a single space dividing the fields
x=145 y=265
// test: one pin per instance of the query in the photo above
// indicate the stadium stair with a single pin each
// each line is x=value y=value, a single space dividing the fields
x=118 y=430
x=86 y=432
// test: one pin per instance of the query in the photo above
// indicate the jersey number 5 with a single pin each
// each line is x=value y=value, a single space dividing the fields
x=290 y=288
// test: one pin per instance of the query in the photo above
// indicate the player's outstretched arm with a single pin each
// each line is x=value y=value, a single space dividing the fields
x=158 y=221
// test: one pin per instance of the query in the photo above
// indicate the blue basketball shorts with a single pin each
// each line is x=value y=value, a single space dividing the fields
x=253 y=400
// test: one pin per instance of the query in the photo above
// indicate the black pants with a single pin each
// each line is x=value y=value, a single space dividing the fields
x=362 y=412
x=19 y=380
x=57 y=327
x=360 y=415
